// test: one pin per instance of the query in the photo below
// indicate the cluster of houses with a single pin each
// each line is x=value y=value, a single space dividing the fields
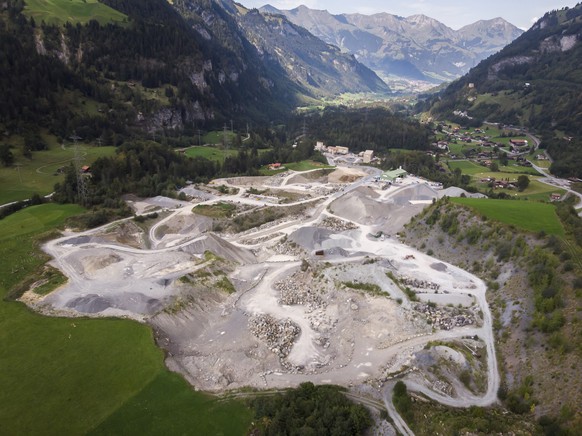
x=499 y=184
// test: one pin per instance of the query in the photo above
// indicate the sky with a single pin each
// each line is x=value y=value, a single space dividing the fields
x=453 y=13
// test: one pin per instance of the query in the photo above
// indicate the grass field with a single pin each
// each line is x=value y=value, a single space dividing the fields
x=211 y=153
x=74 y=376
x=514 y=168
x=216 y=210
x=217 y=137
x=20 y=181
x=542 y=163
x=73 y=11
x=306 y=165
x=528 y=215
x=466 y=166
x=472 y=168
x=535 y=191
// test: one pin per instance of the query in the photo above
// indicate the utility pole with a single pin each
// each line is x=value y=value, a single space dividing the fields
x=231 y=128
x=199 y=141
x=81 y=182
x=225 y=136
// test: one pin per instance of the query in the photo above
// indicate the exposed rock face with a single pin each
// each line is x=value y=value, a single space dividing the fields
x=316 y=66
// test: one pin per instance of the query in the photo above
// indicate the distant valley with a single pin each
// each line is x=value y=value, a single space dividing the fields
x=407 y=53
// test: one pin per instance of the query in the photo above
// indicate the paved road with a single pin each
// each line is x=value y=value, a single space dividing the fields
x=557 y=182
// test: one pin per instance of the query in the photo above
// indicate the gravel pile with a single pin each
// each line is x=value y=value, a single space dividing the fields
x=453 y=191
x=337 y=225
x=279 y=335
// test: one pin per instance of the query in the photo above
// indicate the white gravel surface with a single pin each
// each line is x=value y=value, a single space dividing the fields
x=346 y=336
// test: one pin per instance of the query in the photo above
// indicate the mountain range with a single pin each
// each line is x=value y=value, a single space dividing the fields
x=415 y=48
x=319 y=69
x=153 y=65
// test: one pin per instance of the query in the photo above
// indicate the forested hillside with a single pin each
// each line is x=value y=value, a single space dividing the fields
x=153 y=72
x=536 y=82
x=367 y=129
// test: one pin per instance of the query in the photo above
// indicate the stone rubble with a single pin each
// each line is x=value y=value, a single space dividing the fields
x=294 y=292
x=337 y=225
x=445 y=318
x=279 y=335
x=419 y=284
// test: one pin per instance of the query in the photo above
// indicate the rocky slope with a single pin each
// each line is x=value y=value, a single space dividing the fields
x=312 y=66
x=537 y=363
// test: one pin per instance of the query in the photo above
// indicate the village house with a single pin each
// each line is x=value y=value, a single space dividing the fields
x=518 y=142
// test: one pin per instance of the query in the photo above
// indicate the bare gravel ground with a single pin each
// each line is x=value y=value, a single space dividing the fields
x=300 y=310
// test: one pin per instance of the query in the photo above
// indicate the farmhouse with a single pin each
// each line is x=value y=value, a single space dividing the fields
x=555 y=196
x=390 y=176
x=518 y=142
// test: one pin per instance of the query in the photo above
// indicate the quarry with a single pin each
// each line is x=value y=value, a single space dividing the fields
x=267 y=282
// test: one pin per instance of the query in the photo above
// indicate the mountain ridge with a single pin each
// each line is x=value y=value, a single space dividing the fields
x=423 y=48
x=165 y=67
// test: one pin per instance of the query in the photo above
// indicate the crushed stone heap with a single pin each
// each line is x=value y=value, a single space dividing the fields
x=279 y=335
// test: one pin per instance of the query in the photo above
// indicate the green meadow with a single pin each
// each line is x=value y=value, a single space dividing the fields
x=217 y=137
x=72 y=11
x=79 y=375
x=535 y=191
x=466 y=166
x=528 y=215
x=39 y=174
x=212 y=153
